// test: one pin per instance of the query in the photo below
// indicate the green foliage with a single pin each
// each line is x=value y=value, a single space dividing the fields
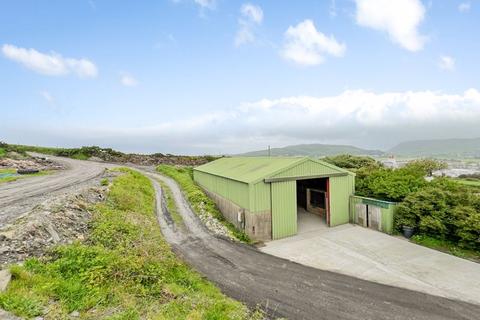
x=388 y=184
x=3 y=152
x=444 y=210
x=197 y=198
x=124 y=270
x=428 y=166
x=24 y=305
x=446 y=246
x=10 y=178
x=348 y=161
x=104 y=182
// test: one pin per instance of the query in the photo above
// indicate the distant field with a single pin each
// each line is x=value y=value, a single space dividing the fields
x=475 y=183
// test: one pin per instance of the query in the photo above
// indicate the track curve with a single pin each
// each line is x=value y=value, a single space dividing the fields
x=18 y=196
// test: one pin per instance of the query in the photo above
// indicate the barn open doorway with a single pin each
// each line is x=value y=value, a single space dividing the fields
x=312 y=204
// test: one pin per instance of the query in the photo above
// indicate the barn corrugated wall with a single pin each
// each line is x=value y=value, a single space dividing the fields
x=284 y=209
x=341 y=188
x=260 y=197
x=235 y=191
x=305 y=169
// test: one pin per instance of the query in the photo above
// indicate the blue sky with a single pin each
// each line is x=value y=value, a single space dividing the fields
x=205 y=76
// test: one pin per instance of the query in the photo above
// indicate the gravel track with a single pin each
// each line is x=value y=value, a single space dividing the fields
x=287 y=289
x=22 y=195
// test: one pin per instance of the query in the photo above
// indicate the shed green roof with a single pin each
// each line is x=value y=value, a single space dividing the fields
x=253 y=169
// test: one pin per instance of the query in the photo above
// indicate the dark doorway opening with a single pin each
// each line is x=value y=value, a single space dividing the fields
x=313 y=195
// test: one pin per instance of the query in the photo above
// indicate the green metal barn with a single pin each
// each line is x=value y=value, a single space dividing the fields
x=263 y=195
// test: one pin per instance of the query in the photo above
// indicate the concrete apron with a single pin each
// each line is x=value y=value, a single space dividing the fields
x=378 y=257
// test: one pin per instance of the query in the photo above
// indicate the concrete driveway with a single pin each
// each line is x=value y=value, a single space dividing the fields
x=378 y=257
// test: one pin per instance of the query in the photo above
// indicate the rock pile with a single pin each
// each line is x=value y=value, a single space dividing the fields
x=215 y=226
x=29 y=163
x=55 y=221
x=153 y=159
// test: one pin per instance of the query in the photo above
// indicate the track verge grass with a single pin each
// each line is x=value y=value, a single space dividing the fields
x=197 y=198
x=123 y=270
x=17 y=177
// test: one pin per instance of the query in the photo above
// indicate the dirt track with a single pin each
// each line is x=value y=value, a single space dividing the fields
x=287 y=289
x=20 y=196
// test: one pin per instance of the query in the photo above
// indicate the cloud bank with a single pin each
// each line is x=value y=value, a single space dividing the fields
x=360 y=117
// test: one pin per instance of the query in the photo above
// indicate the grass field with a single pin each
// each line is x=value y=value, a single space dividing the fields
x=16 y=177
x=447 y=247
x=475 y=183
x=125 y=270
x=197 y=198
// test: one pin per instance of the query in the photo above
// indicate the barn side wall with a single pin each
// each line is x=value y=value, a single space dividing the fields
x=237 y=192
x=233 y=200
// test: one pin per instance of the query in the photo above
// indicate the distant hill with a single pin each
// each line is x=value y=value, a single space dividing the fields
x=455 y=148
x=314 y=150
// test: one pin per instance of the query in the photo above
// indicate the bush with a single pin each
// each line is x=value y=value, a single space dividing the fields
x=444 y=210
x=428 y=166
x=388 y=184
x=348 y=161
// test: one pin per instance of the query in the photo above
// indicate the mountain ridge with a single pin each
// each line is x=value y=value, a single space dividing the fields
x=452 y=148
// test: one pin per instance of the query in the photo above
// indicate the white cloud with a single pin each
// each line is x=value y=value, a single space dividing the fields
x=332 y=10
x=128 y=80
x=464 y=6
x=47 y=96
x=400 y=19
x=206 y=4
x=446 y=63
x=252 y=12
x=52 y=64
x=250 y=17
x=305 y=45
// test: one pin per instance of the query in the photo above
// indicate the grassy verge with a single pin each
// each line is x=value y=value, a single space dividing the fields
x=124 y=270
x=16 y=177
x=447 y=247
x=171 y=206
x=197 y=198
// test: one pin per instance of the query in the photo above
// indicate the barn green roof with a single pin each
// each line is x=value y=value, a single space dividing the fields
x=253 y=169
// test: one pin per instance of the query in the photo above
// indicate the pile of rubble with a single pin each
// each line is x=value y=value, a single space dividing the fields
x=36 y=163
x=215 y=226
x=152 y=160
x=56 y=221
